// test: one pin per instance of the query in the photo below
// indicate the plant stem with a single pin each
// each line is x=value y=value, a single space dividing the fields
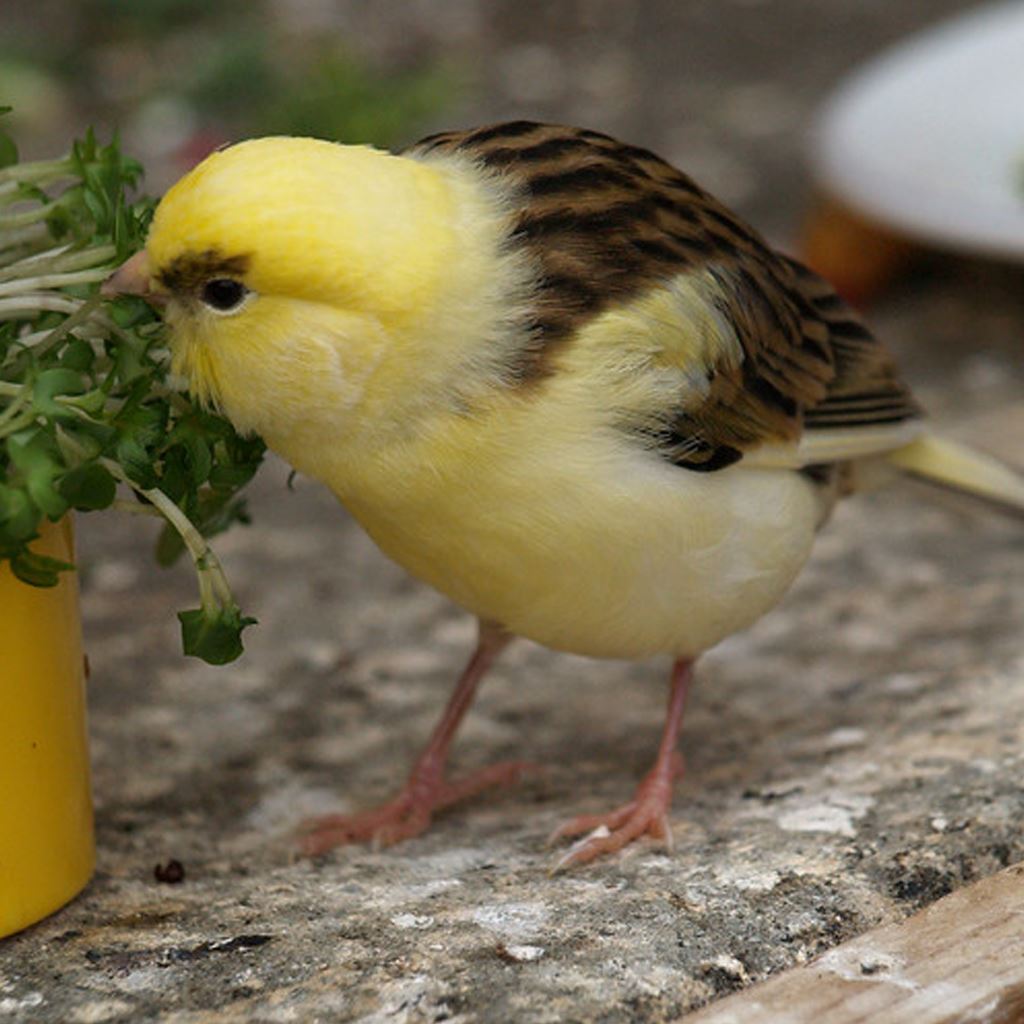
x=213 y=584
x=34 y=173
x=61 y=259
x=54 y=337
x=32 y=305
x=53 y=281
x=33 y=234
x=12 y=426
x=15 y=267
x=20 y=394
x=136 y=508
x=26 y=217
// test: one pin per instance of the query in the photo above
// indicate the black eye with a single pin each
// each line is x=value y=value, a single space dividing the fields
x=224 y=294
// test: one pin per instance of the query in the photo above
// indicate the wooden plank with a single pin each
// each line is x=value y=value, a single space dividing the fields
x=959 y=961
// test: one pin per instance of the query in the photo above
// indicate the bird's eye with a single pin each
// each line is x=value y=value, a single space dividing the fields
x=224 y=294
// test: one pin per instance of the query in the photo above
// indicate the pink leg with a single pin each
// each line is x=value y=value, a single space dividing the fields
x=647 y=812
x=426 y=790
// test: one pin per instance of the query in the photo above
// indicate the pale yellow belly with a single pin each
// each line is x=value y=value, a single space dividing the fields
x=607 y=555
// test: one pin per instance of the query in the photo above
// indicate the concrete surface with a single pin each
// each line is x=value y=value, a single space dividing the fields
x=852 y=758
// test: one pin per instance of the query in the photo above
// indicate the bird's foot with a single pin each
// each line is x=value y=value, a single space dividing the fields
x=646 y=814
x=409 y=813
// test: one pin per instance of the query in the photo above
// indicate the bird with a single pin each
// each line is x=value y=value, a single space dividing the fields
x=551 y=377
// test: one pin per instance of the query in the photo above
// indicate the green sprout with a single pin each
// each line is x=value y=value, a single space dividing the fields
x=88 y=409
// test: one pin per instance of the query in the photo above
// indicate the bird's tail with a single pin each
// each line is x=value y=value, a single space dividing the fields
x=962 y=468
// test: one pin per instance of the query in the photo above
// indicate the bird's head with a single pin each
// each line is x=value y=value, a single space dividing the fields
x=293 y=271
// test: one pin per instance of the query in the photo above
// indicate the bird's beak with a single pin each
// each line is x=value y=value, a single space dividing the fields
x=132 y=278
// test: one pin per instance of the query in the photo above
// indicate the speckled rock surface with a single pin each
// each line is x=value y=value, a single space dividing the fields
x=853 y=757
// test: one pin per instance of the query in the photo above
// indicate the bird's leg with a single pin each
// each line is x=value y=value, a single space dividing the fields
x=426 y=790
x=647 y=813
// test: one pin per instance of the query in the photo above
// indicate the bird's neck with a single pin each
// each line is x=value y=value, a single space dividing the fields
x=444 y=358
x=466 y=337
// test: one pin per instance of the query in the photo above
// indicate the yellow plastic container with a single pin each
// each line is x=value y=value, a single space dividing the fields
x=47 y=850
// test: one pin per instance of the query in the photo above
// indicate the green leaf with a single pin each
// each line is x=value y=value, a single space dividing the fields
x=200 y=460
x=136 y=462
x=98 y=205
x=19 y=517
x=128 y=310
x=38 y=570
x=87 y=439
x=173 y=480
x=217 y=512
x=196 y=455
x=97 y=405
x=130 y=364
x=95 y=438
x=89 y=486
x=169 y=546
x=8 y=150
x=35 y=454
x=215 y=636
x=91 y=402
x=78 y=355
x=51 y=383
x=43 y=490
x=31 y=192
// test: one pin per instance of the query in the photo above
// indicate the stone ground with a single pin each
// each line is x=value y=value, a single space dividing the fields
x=852 y=758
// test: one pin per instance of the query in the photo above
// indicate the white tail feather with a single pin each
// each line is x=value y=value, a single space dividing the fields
x=962 y=468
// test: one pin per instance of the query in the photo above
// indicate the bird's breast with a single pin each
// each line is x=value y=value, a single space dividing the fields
x=569 y=535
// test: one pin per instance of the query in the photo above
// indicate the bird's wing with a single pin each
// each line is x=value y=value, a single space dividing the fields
x=608 y=224
x=813 y=385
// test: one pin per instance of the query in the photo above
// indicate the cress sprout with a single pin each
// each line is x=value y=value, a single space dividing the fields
x=89 y=416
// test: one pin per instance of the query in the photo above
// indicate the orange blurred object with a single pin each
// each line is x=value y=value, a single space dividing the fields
x=859 y=257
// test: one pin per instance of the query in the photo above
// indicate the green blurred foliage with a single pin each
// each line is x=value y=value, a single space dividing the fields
x=238 y=68
x=333 y=96
x=151 y=17
x=87 y=400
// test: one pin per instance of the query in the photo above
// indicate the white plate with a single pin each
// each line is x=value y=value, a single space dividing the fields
x=929 y=137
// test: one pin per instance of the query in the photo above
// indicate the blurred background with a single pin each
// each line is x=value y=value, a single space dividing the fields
x=725 y=88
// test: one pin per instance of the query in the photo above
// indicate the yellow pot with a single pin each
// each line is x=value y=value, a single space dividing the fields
x=47 y=851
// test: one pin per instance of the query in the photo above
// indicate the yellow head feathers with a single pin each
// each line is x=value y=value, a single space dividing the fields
x=314 y=220
x=317 y=288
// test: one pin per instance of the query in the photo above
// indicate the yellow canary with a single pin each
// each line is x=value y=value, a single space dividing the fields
x=551 y=377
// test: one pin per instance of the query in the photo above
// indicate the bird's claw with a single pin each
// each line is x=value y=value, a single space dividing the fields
x=613 y=832
x=408 y=814
x=646 y=814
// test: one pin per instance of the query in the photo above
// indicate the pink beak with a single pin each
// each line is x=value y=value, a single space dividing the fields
x=132 y=278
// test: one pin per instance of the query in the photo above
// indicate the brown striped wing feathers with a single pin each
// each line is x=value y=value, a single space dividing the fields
x=607 y=222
